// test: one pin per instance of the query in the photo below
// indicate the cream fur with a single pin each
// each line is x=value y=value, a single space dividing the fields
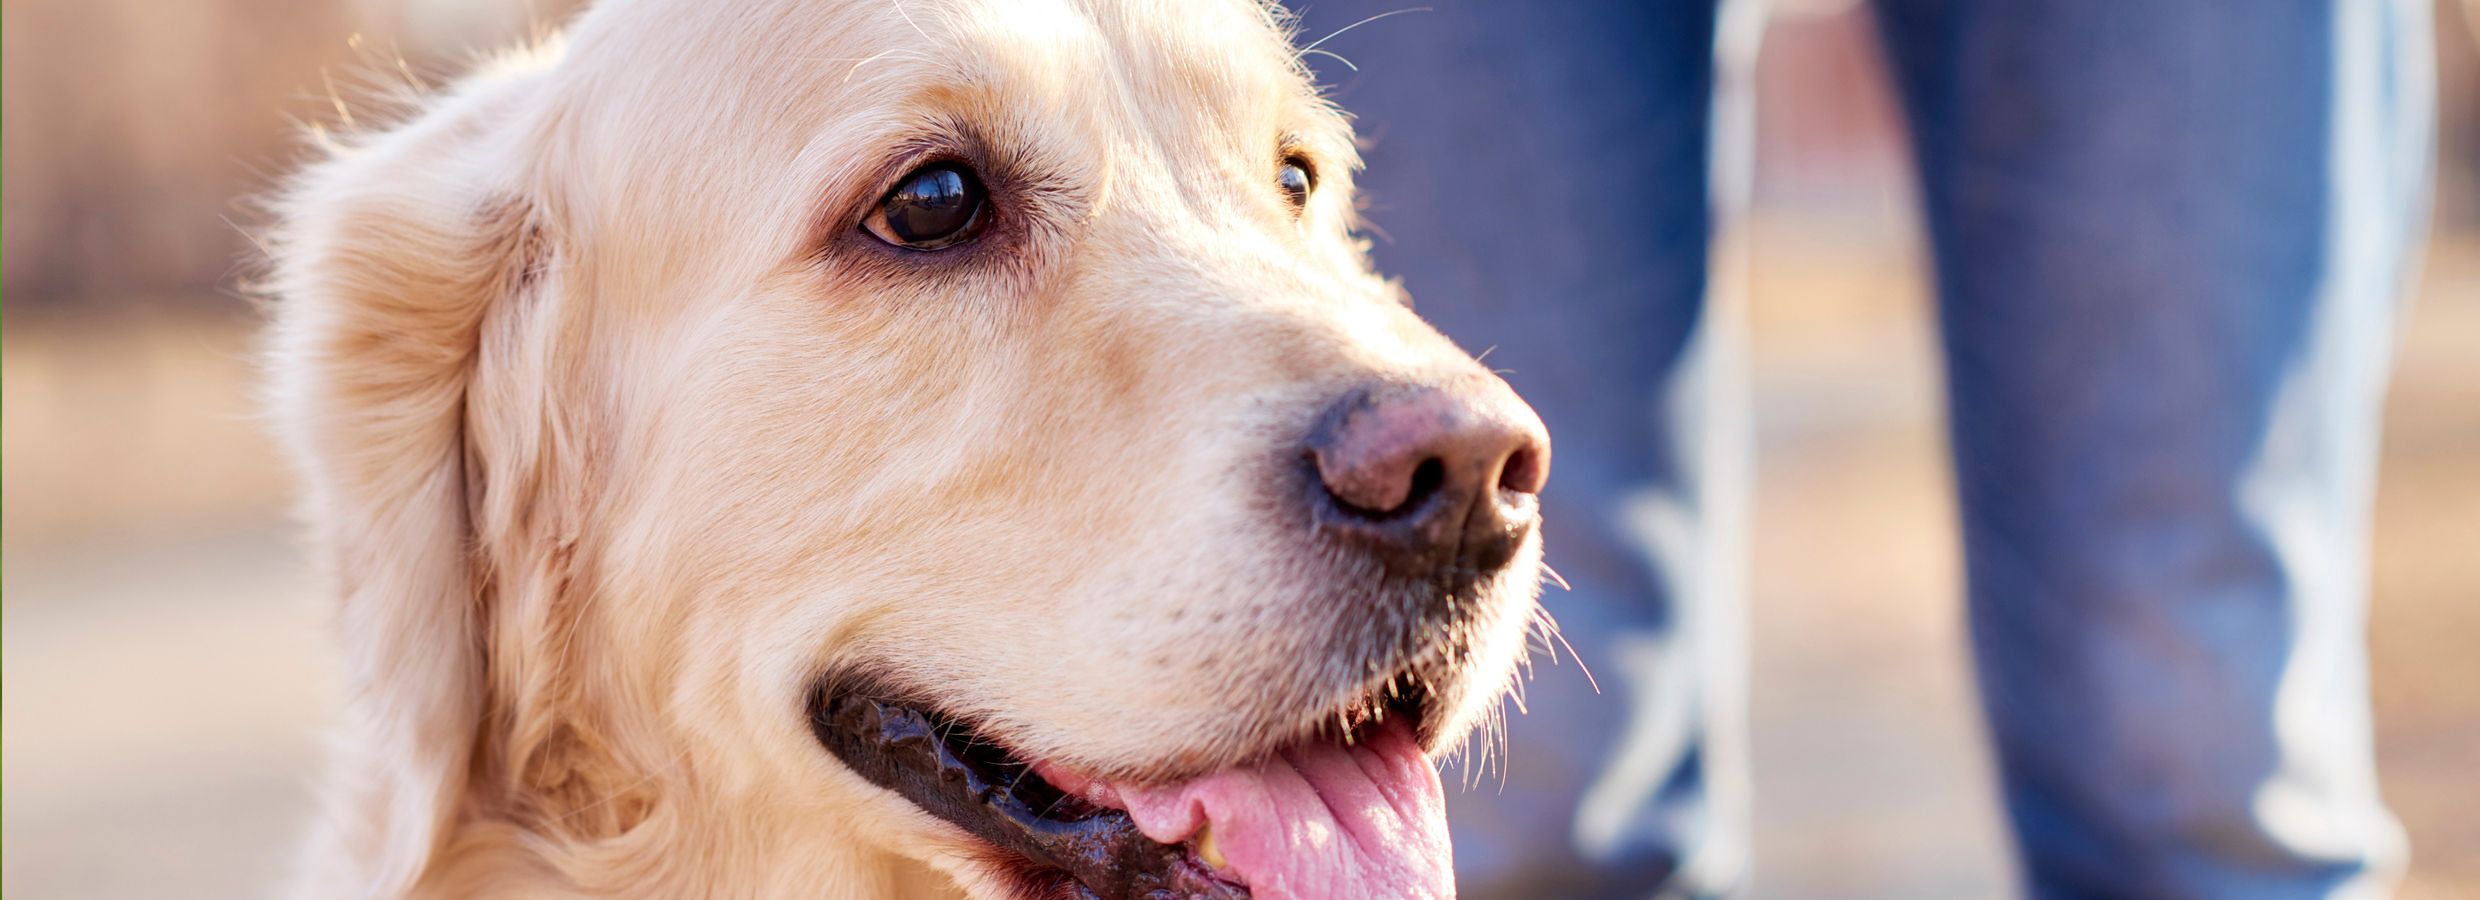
x=614 y=438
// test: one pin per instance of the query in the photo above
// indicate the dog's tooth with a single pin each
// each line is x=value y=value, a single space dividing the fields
x=1204 y=843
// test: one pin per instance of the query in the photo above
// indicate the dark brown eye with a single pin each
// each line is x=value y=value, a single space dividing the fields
x=939 y=205
x=1297 y=180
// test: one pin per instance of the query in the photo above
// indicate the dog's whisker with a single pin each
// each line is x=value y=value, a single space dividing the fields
x=1537 y=635
x=1506 y=750
x=1572 y=654
x=1499 y=755
x=1561 y=580
x=892 y=52
x=908 y=19
x=1338 y=57
x=1332 y=35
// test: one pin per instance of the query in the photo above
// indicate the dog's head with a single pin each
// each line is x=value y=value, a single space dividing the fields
x=737 y=430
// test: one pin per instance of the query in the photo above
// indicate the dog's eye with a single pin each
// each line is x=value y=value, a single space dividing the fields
x=939 y=205
x=1296 y=179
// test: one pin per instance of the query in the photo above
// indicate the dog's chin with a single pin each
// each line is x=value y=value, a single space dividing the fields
x=1043 y=828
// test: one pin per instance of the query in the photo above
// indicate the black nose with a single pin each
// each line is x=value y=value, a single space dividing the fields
x=1436 y=482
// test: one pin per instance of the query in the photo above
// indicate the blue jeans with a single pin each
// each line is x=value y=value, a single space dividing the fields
x=2169 y=236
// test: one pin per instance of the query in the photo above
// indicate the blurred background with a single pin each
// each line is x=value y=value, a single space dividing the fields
x=167 y=674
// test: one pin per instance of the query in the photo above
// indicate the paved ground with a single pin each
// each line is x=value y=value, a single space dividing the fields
x=165 y=675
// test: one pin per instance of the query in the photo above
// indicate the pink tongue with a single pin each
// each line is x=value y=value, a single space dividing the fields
x=1317 y=820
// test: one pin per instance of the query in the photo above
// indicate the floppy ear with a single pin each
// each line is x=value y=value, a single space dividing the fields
x=387 y=256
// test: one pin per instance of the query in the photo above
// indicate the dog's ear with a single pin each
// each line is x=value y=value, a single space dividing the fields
x=387 y=258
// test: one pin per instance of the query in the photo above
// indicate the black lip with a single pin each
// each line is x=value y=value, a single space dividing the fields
x=942 y=767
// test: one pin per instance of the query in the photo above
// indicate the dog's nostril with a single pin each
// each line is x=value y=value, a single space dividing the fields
x=1523 y=472
x=1371 y=493
x=1425 y=481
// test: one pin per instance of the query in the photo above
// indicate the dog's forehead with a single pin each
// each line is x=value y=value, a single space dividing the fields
x=1222 y=66
x=1229 y=58
x=731 y=120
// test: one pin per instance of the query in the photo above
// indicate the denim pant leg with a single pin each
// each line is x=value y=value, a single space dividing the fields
x=2170 y=236
x=1538 y=176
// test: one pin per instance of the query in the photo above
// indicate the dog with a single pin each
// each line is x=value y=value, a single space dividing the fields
x=862 y=448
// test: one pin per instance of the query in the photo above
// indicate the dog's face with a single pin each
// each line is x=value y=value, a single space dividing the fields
x=775 y=375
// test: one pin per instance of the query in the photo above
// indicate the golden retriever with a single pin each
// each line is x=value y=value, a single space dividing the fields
x=877 y=448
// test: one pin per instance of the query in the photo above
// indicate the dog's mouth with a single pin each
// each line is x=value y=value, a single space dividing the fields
x=1354 y=808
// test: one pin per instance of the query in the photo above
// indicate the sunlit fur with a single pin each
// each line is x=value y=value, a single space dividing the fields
x=618 y=433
